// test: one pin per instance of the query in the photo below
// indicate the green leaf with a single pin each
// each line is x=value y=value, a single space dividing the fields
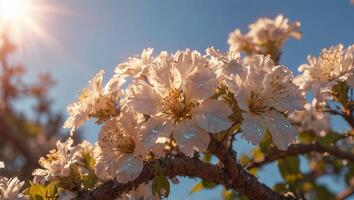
x=228 y=194
x=281 y=187
x=197 y=187
x=290 y=168
x=160 y=183
x=244 y=159
x=257 y=154
x=42 y=192
x=161 y=186
x=349 y=176
x=203 y=185
x=307 y=137
x=207 y=157
x=266 y=142
x=322 y=193
x=89 y=180
x=208 y=184
x=328 y=139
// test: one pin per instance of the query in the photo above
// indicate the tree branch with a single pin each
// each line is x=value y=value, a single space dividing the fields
x=243 y=182
x=345 y=193
x=231 y=176
x=296 y=149
x=171 y=167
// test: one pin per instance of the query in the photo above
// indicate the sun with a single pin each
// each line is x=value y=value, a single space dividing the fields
x=20 y=19
x=14 y=11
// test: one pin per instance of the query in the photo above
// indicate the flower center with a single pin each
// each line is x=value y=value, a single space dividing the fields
x=177 y=106
x=124 y=144
x=117 y=140
x=256 y=104
x=330 y=61
x=52 y=156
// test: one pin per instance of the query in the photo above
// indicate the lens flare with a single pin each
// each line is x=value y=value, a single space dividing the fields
x=13 y=11
x=21 y=20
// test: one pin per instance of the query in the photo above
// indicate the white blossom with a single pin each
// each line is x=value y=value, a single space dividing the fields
x=136 y=66
x=119 y=154
x=226 y=66
x=335 y=64
x=66 y=195
x=311 y=119
x=265 y=36
x=56 y=163
x=175 y=96
x=2 y=165
x=266 y=94
x=81 y=154
x=142 y=192
x=94 y=101
x=10 y=189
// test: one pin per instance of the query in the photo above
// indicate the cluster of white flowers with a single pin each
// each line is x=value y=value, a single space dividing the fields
x=334 y=65
x=311 y=119
x=176 y=102
x=266 y=94
x=266 y=36
x=172 y=101
x=10 y=187
x=94 y=101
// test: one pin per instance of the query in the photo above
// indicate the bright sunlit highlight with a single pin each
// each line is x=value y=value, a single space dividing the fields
x=13 y=11
x=23 y=19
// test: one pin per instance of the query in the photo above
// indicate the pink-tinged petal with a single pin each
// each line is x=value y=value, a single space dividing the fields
x=129 y=168
x=212 y=116
x=190 y=137
x=253 y=127
x=201 y=84
x=281 y=129
x=107 y=164
x=280 y=90
x=350 y=81
x=242 y=98
x=144 y=99
x=152 y=133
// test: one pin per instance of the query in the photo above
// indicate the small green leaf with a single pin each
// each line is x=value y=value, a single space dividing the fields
x=208 y=184
x=42 y=192
x=89 y=180
x=322 y=193
x=281 y=187
x=349 y=176
x=161 y=186
x=307 y=137
x=290 y=168
x=207 y=157
x=228 y=194
x=266 y=142
x=257 y=154
x=197 y=187
x=244 y=159
x=329 y=138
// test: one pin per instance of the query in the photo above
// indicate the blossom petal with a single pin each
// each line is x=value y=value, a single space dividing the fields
x=281 y=129
x=190 y=137
x=212 y=116
x=151 y=134
x=253 y=127
x=129 y=168
x=201 y=84
x=144 y=99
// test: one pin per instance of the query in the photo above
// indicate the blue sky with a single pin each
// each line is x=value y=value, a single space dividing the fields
x=92 y=35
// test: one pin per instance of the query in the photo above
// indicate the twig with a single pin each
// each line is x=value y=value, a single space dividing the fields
x=296 y=149
x=347 y=192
